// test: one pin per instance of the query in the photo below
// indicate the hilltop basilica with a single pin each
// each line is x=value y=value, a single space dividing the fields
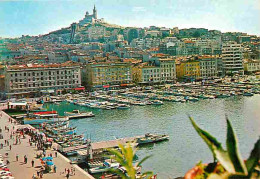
x=90 y=18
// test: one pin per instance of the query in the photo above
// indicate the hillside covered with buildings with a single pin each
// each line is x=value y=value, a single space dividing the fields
x=94 y=54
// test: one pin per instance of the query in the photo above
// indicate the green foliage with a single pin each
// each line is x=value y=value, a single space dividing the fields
x=253 y=159
x=218 y=152
x=126 y=157
x=233 y=151
x=231 y=159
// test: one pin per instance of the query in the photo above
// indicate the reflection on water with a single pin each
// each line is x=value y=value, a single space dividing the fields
x=185 y=148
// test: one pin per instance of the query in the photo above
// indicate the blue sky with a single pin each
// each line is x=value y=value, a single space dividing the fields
x=27 y=17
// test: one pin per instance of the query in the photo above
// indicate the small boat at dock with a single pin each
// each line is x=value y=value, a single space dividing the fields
x=76 y=114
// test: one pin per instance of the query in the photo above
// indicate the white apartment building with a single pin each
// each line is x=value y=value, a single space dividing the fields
x=232 y=58
x=151 y=74
x=36 y=78
x=168 y=69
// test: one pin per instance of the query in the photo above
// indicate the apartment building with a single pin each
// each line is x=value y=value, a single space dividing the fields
x=208 y=66
x=232 y=58
x=251 y=66
x=108 y=74
x=36 y=78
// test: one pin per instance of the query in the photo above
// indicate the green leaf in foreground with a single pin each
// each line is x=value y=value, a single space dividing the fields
x=253 y=158
x=218 y=152
x=233 y=150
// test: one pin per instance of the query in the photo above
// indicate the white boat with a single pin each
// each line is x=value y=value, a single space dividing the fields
x=106 y=166
x=76 y=114
x=157 y=102
x=151 y=138
x=123 y=106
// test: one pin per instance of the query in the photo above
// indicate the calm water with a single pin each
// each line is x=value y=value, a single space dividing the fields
x=185 y=148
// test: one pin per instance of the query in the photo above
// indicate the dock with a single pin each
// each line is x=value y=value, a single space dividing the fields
x=97 y=147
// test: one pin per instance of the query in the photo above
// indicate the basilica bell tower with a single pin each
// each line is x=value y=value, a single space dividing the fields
x=95 y=12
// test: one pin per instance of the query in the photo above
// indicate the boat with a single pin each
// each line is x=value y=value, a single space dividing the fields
x=157 y=102
x=123 y=106
x=248 y=94
x=44 y=117
x=106 y=166
x=76 y=114
x=151 y=138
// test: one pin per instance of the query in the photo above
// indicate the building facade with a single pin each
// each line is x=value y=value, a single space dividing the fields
x=108 y=74
x=34 y=78
x=232 y=58
x=208 y=66
x=251 y=66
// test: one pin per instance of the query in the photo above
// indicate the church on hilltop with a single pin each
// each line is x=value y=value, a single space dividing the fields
x=90 y=18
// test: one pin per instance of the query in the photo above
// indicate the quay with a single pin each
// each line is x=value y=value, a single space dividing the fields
x=99 y=147
x=21 y=170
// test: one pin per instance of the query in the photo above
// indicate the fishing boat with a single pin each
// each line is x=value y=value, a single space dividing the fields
x=151 y=138
x=67 y=131
x=76 y=114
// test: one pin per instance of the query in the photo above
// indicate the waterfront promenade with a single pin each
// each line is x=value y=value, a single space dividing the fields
x=21 y=170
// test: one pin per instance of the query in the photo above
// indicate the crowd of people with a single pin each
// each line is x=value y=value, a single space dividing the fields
x=36 y=139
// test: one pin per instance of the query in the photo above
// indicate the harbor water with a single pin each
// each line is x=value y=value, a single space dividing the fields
x=185 y=148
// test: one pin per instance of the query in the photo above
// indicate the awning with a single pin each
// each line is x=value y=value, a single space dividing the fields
x=124 y=85
x=79 y=89
x=105 y=86
x=45 y=112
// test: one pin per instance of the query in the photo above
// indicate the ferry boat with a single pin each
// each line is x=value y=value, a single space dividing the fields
x=151 y=138
x=76 y=114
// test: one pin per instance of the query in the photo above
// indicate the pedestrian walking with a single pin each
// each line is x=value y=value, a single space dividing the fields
x=68 y=175
x=56 y=154
x=25 y=159
x=38 y=174
x=10 y=147
x=55 y=169
x=32 y=163
x=17 y=157
x=68 y=171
